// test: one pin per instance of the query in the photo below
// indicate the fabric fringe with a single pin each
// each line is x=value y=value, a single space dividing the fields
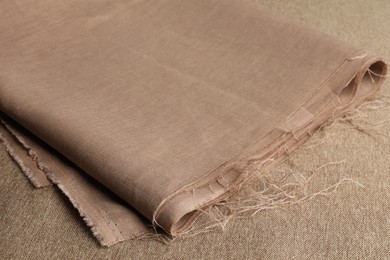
x=271 y=190
x=46 y=170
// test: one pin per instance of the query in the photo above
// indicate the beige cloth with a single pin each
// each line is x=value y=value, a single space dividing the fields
x=171 y=105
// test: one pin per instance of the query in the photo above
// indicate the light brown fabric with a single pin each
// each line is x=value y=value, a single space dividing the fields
x=171 y=105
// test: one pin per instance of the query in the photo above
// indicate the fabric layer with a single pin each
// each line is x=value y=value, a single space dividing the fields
x=171 y=106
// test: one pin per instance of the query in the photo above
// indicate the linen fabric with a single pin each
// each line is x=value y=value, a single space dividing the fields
x=169 y=105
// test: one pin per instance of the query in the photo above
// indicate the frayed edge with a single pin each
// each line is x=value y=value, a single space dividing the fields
x=30 y=175
x=83 y=214
x=159 y=236
x=91 y=224
x=51 y=176
x=360 y=122
x=268 y=194
x=354 y=120
x=275 y=195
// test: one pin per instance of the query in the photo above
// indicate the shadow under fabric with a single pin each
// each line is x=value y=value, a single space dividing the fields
x=146 y=112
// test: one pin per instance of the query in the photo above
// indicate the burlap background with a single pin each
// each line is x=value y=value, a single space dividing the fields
x=353 y=223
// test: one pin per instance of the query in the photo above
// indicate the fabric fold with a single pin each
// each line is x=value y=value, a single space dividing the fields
x=149 y=112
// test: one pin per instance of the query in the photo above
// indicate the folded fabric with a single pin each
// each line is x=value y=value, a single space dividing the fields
x=147 y=112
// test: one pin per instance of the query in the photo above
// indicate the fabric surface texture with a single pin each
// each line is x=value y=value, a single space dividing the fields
x=146 y=112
